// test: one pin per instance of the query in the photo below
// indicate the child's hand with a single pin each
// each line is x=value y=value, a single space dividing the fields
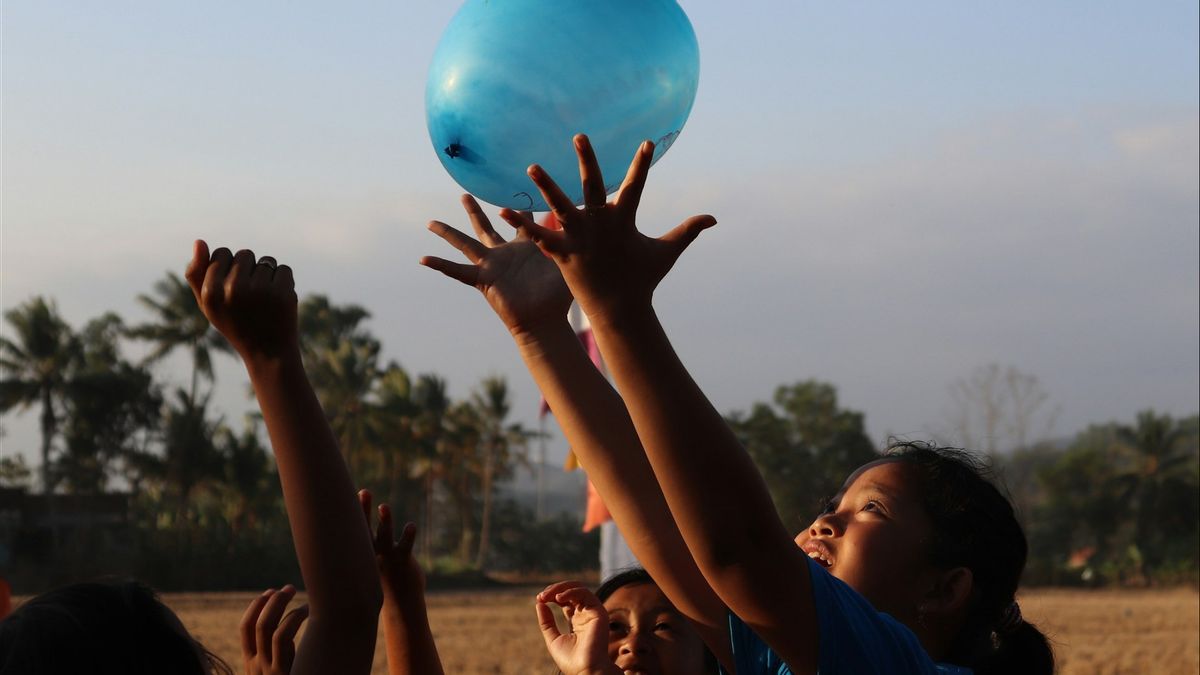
x=251 y=301
x=607 y=263
x=523 y=287
x=268 y=643
x=585 y=648
x=400 y=575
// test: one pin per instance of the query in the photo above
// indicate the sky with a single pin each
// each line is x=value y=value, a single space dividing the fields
x=905 y=192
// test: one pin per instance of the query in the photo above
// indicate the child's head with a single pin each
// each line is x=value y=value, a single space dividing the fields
x=646 y=631
x=927 y=538
x=107 y=626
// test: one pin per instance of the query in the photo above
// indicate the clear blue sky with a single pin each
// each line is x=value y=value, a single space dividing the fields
x=906 y=191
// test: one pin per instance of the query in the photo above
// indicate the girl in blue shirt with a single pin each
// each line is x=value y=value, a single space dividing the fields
x=911 y=568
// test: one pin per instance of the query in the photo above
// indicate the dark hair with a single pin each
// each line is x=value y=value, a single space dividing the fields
x=975 y=527
x=104 y=626
x=636 y=576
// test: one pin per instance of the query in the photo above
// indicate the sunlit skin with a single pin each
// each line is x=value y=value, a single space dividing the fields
x=647 y=635
x=875 y=535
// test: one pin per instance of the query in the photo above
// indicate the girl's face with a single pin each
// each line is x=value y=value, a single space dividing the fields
x=875 y=536
x=647 y=635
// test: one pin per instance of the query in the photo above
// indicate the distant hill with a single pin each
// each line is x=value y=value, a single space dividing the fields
x=565 y=492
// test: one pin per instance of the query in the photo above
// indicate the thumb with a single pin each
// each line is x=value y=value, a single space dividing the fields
x=687 y=231
x=197 y=267
x=547 y=623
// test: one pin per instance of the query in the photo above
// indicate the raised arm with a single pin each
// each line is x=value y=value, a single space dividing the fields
x=716 y=494
x=253 y=304
x=406 y=633
x=528 y=294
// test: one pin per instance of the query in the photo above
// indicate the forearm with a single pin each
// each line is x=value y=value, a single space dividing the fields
x=332 y=543
x=598 y=427
x=715 y=492
x=408 y=638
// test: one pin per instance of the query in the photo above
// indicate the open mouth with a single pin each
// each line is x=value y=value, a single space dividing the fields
x=820 y=553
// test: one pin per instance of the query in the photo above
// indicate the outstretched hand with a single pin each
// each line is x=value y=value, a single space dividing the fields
x=584 y=648
x=251 y=301
x=607 y=263
x=399 y=573
x=268 y=635
x=524 y=288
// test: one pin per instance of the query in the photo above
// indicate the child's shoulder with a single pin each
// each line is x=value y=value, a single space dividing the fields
x=854 y=638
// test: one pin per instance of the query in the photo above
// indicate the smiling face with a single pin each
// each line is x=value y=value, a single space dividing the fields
x=647 y=635
x=876 y=536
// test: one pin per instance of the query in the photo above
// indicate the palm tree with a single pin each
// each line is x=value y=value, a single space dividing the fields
x=342 y=360
x=35 y=367
x=109 y=403
x=179 y=323
x=501 y=445
x=429 y=431
x=1158 y=466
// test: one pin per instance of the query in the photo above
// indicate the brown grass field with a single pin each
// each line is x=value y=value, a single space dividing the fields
x=1107 y=632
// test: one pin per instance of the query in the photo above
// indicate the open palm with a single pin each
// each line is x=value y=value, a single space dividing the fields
x=521 y=284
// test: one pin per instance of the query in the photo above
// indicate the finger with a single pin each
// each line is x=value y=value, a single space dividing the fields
x=630 y=194
x=283 y=278
x=594 y=194
x=468 y=274
x=547 y=239
x=264 y=270
x=578 y=598
x=408 y=537
x=546 y=622
x=687 y=231
x=554 y=589
x=560 y=203
x=364 y=501
x=197 y=267
x=213 y=290
x=249 y=620
x=284 y=642
x=480 y=223
x=244 y=263
x=383 y=532
x=464 y=243
x=264 y=630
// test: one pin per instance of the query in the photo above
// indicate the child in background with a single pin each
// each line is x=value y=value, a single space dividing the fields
x=915 y=562
x=627 y=625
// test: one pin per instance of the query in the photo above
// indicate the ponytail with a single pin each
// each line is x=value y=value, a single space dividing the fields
x=1024 y=649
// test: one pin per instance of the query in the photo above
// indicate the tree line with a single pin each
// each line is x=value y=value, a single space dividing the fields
x=206 y=503
x=1118 y=503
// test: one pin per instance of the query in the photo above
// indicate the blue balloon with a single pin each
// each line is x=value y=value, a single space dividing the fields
x=513 y=80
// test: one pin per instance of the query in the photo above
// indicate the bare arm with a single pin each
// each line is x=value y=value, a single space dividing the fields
x=406 y=633
x=528 y=294
x=254 y=306
x=715 y=493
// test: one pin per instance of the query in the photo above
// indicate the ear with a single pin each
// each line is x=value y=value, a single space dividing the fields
x=951 y=593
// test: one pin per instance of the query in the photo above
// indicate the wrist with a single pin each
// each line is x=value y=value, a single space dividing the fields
x=542 y=334
x=262 y=364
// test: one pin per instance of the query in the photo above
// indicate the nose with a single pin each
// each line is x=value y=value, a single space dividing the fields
x=825 y=526
x=636 y=642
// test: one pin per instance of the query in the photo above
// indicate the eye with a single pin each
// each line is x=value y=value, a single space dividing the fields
x=873 y=506
x=827 y=506
x=616 y=627
x=662 y=625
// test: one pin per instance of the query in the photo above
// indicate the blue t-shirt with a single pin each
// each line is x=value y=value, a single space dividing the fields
x=855 y=639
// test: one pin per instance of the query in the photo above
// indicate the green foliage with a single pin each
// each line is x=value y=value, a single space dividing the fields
x=805 y=445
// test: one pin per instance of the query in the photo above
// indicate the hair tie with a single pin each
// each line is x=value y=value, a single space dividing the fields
x=1010 y=619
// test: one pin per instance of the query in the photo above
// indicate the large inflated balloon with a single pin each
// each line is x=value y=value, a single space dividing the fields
x=513 y=80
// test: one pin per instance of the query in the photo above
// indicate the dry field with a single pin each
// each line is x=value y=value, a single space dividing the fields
x=1095 y=632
